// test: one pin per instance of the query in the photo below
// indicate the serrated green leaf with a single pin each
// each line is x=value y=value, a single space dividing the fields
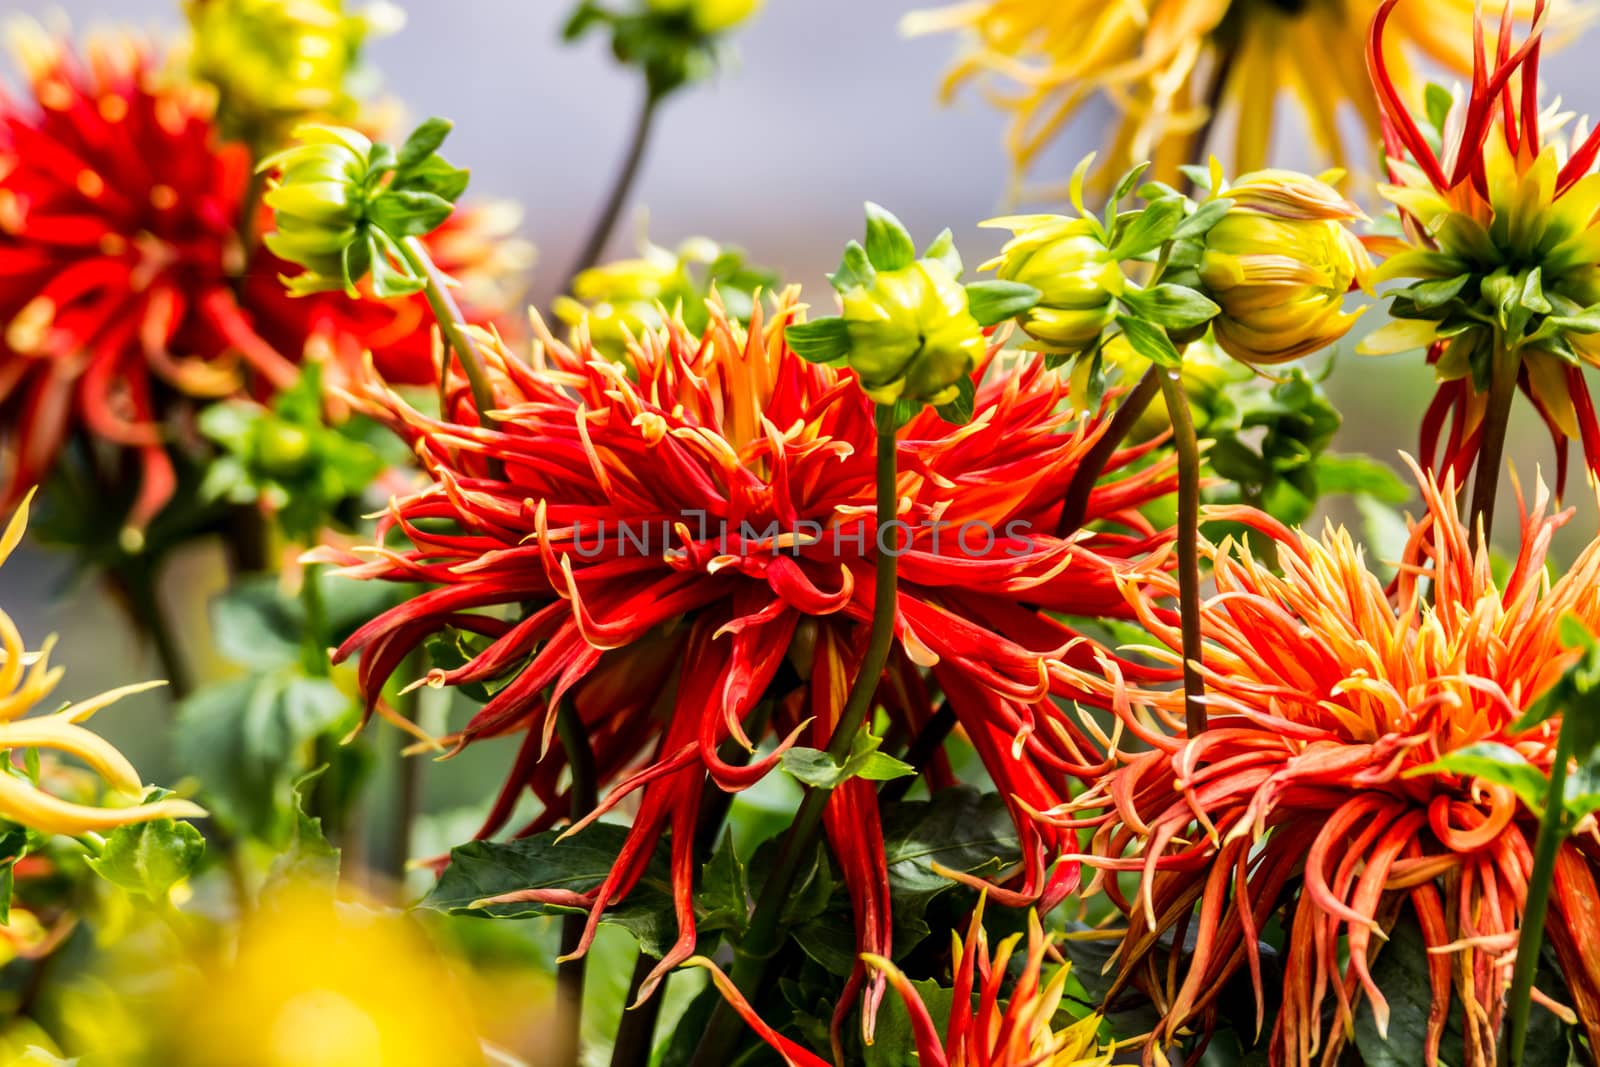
x=149 y=858
x=995 y=301
x=1150 y=341
x=1175 y=307
x=482 y=869
x=1493 y=762
x=889 y=245
x=309 y=858
x=818 y=769
x=824 y=340
x=723 y=900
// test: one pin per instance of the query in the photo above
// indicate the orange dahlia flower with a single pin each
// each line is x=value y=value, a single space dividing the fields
x=126 y=292
x=1329 y=698
x=672 y=543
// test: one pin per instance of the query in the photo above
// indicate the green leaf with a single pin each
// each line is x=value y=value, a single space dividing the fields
x=1149 y=229
x=824 y=340
x=437 y=176
x=819 y=770
x=1427 y=295
x=482 y=869
x=1196 y=175
x=309 y=859
x=149 y=858
x=245 y=740
x=423 y=142
x=943 y=250
x=1493 y=762
x=855 y=269
x=996 y=301
x=894 y=1042
x=724 y=893
x=1205 y=216
x=1350 y=473
x=1436 y=102
x=403 y=213
x=889 y=245
x=959 y=411
x=1125 y=184
x=1150 y=341
x=1176 y=307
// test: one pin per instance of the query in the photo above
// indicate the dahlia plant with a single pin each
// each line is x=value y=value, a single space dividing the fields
x=922 y=669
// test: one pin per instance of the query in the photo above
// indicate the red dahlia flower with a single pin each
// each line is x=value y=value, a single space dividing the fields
x=994 y=1022
x=120 y=269
x=678 y=541
x=1328 y=700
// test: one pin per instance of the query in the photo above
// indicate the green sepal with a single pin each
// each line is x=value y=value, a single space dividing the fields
x=1175 y=307
x=889 y=245
x=995 y=301
x=1150 y=341
x=824 y=340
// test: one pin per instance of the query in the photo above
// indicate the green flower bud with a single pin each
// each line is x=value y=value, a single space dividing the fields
x=344 y=206
x=1077 y=278
x=911 y=335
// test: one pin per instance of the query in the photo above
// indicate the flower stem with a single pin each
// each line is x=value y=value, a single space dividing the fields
x=1552 y=831
x=764 y=935
x=636 y=1033
x=595 y=245
x=1188 y=448
x=569 y=975
x=929 y=740
x=1491 y=452
x=451 y=324
x=1076 y=503
x=144 y=598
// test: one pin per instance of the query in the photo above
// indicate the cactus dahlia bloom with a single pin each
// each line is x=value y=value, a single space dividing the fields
x=1158 y=61
x=678 y=543
x=1328 y=699
x=25 y=681
x=119 y=270
x=990 y=1025
x=1500 y=248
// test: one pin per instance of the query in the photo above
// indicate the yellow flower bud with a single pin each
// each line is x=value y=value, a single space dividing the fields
x=709 y=16
x=911 y=334
x=277 y=62
x=1279 y=264
x=1078 y=280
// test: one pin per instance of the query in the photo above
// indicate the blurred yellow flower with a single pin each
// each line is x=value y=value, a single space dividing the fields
x=1165 y=64
x=276 y=63
x=25 y=680
x=319 y=983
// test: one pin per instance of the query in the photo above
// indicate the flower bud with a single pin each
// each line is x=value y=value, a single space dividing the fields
x=709 y=16
x=911 y=334
x=1077 y=278
x=318 y=202
x=1279 y=264
x=277 y=62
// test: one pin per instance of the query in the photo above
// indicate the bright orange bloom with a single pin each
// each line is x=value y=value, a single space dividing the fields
x=1327 y=696
x=125 y=294
x=993 y=1022
x=690 y=534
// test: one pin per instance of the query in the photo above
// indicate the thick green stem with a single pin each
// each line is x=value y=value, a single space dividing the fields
x=1076 y=503
x=1503 y=374
x=594 y=245
x=1188 y=448
x=1552 y=831
x=314 y=639
x=764 y=936
x=452 y=324
x=570 y=973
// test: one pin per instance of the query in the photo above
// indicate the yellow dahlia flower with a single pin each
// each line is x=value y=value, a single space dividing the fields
x=276 y=63
x=1166 y=64
x=1279 y=264
x=25 y=680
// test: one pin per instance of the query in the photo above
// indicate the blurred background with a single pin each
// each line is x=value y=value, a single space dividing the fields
x=827 y=107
